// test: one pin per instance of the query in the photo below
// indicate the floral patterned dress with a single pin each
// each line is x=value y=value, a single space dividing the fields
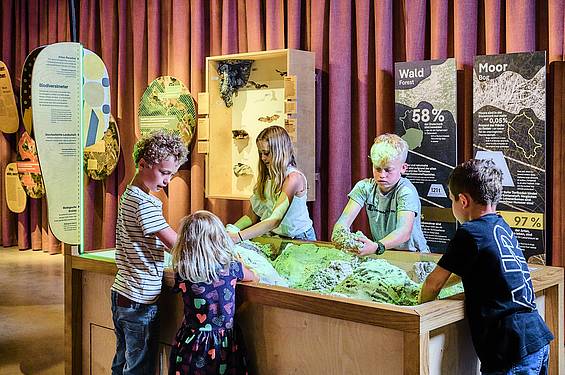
x=208 y=341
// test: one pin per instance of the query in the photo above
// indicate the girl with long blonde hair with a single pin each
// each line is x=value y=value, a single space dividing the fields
x=278 y=203
x=206 y=272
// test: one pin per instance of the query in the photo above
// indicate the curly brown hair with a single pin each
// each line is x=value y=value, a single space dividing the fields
x=159 y=145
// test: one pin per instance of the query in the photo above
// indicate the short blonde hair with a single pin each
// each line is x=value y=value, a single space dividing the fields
x=387 y=148
x=203 y=248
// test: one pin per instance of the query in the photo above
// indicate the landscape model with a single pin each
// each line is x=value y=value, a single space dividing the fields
x=330 y=271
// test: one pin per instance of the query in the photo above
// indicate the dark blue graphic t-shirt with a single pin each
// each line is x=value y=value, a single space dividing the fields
x=499 y=296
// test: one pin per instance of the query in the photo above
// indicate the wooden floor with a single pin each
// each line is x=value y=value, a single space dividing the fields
x=31 y=312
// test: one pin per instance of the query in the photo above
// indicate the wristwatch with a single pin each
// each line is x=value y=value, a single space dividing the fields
x=380 y=248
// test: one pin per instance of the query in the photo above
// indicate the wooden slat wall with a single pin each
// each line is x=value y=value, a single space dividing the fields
x=556 y=207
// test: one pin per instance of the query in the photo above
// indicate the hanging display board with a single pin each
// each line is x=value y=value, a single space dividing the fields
x=57 y=103
x=15 y=194
x=509 y=119
x=28 y=162
x=25 y=90
x=9 y=120
x=70 y=92
x=167 y=104
x=426 y=115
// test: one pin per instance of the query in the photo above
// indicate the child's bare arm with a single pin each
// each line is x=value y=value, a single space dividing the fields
x=404 y=224
x=292 y=185
x=264 y=226
x=433 y=284
x=349 y=214
x=168 y=237
x=249 y=275
x=247 y=220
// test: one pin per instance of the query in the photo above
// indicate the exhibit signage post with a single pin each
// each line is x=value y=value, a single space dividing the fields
x=57 y=112
x=426 y=118
x=70 y=98
x=509 y=126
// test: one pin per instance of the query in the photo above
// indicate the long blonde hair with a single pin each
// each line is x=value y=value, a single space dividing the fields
x=203 y=248
x=282 y=153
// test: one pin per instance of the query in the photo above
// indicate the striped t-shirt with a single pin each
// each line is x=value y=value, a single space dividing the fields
x=139 y=253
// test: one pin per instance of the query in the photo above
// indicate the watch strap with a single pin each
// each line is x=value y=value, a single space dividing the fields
x=380 y=248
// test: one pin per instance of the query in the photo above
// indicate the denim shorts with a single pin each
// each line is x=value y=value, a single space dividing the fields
x=309 y=235
x=137 y=332
x=536 y=363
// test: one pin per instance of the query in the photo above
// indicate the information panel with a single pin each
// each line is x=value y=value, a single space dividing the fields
x=426 y=115
x=509 y=118
x=57 y=101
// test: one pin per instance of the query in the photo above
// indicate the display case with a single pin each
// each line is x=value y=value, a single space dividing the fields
x=293 y=331
x=246 y=93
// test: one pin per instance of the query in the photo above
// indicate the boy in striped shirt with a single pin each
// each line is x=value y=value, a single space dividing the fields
x=142 y=236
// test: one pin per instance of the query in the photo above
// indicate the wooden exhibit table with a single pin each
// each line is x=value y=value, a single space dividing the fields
x=292 y=331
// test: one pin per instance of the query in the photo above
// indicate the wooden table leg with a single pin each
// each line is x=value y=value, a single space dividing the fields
x=73 y=317
x=553 y=318
x=416 y=353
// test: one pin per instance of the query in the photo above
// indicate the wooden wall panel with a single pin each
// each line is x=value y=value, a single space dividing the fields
x=556 y=141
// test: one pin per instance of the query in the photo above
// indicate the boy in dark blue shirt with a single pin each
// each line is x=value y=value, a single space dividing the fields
x=508 y=334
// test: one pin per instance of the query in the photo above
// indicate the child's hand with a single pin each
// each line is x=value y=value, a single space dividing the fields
x=257 y=278
x=369 y=247
x=342 y=238
x=234 y=237
x=250 y=275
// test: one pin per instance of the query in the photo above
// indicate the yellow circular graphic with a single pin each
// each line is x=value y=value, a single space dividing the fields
x=93 y=67
x=93 y=94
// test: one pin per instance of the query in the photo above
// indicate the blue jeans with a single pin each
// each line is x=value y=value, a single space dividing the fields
x=536 y=363
x=309 y=235
x=137 y=333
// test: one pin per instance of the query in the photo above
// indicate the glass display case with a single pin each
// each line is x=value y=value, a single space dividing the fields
x=246 y=93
